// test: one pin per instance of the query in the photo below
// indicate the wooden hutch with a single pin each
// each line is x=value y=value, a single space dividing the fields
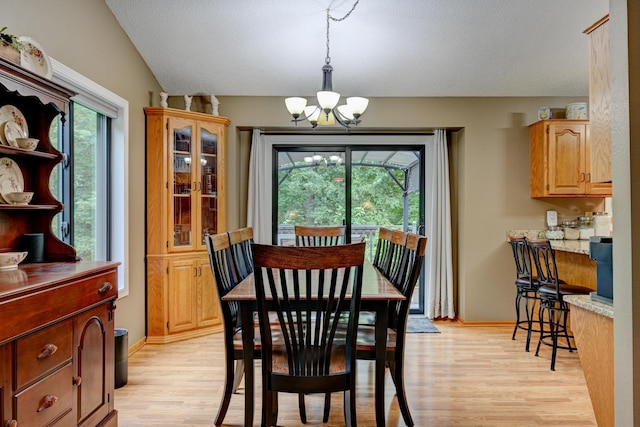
x=57 y=316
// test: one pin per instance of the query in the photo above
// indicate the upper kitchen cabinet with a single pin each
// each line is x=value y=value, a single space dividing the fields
x=560 y=156
x=599 y=100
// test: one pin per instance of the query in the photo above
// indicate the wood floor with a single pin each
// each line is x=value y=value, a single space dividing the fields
x=464 y=376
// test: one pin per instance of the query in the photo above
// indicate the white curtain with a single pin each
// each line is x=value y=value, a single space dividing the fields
x=439 y=302
x=259 y=203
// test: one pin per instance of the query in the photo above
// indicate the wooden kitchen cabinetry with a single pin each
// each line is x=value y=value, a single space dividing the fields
x=186 y=199
x=57 y=344
x=560 y=159
x=600 y=100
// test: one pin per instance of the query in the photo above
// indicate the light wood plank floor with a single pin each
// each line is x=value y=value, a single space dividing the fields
x=464 y=376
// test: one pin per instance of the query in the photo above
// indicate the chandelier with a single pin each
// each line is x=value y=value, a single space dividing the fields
x=328 y=112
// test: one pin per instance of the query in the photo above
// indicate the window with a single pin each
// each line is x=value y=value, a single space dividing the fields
x=92 y=181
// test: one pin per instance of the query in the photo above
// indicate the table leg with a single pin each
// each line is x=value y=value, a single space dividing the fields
x=246 y=314
x=382 y=316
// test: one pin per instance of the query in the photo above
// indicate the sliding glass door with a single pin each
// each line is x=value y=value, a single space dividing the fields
x=363 y=187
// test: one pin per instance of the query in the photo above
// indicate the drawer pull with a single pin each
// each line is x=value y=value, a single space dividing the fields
x=47 y=402
x=77 y=380
x=11 y=423
x=106 y=287
x=47 y=351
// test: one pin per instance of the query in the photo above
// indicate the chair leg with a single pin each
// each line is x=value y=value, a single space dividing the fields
x=327 y=407
x=530 y=312
x=515 y=328
x=553 y=325
x=239 y=372
x=303 y=410
x=398 y=379
x=541 y=322
x=269 y=414
x=228 y=389
x=566 y=332
x=350 y=408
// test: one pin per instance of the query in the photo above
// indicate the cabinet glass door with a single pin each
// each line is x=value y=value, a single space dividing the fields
x=183 y=181
x=209 y=182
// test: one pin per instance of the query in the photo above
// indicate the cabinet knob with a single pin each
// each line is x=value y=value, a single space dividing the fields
x=77 y=380
x=47 y=402
x=47 y=351
x=11 y=423
x=106 y=287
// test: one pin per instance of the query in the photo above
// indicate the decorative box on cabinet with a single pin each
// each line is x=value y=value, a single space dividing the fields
x=57 y=344
x=186 y=199
x=600 y=100
x=40 y=101
x=560 y=156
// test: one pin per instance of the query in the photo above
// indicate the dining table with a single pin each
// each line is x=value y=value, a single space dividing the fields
x=377 y=292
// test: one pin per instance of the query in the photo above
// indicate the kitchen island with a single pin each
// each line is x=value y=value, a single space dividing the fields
x=592 y=325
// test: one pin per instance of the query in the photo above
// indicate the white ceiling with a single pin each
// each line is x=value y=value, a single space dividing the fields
x=385 y=48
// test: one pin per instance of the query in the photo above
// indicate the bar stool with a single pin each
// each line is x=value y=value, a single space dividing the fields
x=551 y=292
x=526 y=288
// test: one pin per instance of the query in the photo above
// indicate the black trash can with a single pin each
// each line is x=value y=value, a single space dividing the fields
x=122 y=356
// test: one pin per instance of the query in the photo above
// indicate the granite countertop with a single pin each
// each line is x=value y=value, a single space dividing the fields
x=585 y=301
x=575 y=246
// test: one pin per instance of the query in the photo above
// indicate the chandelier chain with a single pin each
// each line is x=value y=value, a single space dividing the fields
x=330 y=18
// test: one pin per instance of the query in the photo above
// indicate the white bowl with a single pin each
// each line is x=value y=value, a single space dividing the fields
x=27 y=143
x=20 y=198
x=10 y=260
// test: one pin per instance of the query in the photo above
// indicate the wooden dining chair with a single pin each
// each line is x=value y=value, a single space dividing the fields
x=312 y=290
x=240 y=241
x=389 y=251
x=220 y=259
x=412 y=259
x=551 y=292
x=319 y=235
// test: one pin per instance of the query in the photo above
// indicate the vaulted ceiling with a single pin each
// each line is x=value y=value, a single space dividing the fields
x=384 y=48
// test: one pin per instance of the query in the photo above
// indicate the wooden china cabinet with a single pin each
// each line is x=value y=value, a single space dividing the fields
x=186 y=199
x=57 y=316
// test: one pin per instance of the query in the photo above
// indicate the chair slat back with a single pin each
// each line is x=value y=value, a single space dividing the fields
x=383 y=247
x=393 y=270
x=389 y=252
x=412 y=260
x=522 y=258
x=319 y=235
x=221 y=264
x=240 y=241
x=317 y=288
x=544 y=259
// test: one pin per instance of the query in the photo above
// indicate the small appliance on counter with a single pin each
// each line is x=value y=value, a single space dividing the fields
x=601 y=250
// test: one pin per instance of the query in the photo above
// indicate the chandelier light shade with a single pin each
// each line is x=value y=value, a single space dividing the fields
x=328 y=112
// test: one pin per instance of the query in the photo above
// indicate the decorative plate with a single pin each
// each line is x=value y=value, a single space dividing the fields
x=11 y=131
x=34 y=58
x=10 y=113
x=11 y=179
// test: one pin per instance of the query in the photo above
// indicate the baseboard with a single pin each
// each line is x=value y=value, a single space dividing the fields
x=485 y=323
x=137 y=346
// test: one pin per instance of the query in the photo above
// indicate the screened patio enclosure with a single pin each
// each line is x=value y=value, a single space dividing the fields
x=363 y=188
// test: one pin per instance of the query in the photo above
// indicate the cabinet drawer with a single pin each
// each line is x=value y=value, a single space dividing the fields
x=43 y=351
x=32 y=408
